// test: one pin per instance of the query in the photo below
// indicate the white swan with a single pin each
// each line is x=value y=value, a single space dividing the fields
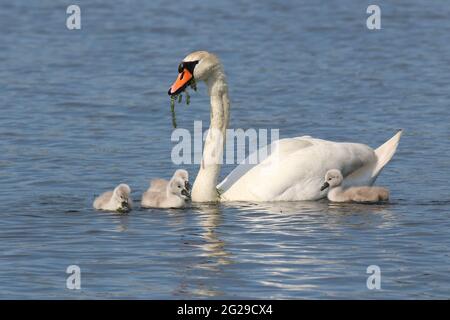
x=168 y=194
x=336 y=193
x=117 y=200
x=295 y=167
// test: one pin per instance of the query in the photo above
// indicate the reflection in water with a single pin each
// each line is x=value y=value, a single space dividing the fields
x=212 y=257
x=122 y=221
x=177 y=218
x=291 y=248
x=375 y=215
x=244 y=250
x=280 y=239
x=214 y=247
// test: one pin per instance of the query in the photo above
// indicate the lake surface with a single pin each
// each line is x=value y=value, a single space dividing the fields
x=84 y=110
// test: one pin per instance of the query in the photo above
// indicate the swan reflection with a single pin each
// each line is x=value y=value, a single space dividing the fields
x=316 y=212
x=214 y=248
x=213 y=255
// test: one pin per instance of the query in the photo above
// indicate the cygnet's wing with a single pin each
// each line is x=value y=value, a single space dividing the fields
x=362 y=194
x=152 y=198
x=101 y=201
x=158 y=185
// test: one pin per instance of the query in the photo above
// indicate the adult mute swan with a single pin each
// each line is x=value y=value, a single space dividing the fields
x=294 y=168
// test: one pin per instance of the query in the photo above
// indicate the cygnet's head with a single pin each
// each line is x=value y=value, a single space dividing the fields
x=333 y=178
x=177 y=187
x=198 y=65
x=184 y=175
x=121 y=196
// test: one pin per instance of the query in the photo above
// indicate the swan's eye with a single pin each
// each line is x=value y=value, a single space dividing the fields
x=329 y=179
x=179 y=187
x=187 y=65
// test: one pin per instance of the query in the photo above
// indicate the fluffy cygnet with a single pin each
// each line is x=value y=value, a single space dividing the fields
x=117 y=200
x=333 y=180
x=161 y=184
x=168 y=194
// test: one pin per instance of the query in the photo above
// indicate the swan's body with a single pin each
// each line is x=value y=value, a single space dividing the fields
x=117 y=200
x=337 y=193
x=168 y=194
x=295 y=167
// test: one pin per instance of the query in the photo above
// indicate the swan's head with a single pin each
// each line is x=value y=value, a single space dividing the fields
x=333 y=178
x=184 y=175
x=121 y=196
x=198 y=65
x=177 y=187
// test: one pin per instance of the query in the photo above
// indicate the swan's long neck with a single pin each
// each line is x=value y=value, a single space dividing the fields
x=204 y=188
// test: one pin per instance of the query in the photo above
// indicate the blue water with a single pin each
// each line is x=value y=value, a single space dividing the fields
x=85 y=110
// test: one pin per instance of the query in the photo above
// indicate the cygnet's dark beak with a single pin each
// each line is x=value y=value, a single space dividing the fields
x=325 y=185
x=186 y=193
x=187 y=185
x=124 y=207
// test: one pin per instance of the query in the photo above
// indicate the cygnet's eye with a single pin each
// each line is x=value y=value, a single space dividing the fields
x=179 y=187
x=329 y=179
x=180 y=67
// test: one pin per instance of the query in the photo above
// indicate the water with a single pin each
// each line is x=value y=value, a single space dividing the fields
x=85 y=110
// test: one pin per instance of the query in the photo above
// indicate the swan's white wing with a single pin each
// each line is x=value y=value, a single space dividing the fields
x=295 y=170
x=296 y=167
x=367 y=174
x=283 y=146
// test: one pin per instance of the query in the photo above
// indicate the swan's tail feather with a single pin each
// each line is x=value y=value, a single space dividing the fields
x=385 y=152
x=368 y=174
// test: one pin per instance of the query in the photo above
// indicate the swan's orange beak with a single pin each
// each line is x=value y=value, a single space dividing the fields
x=181 y=83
